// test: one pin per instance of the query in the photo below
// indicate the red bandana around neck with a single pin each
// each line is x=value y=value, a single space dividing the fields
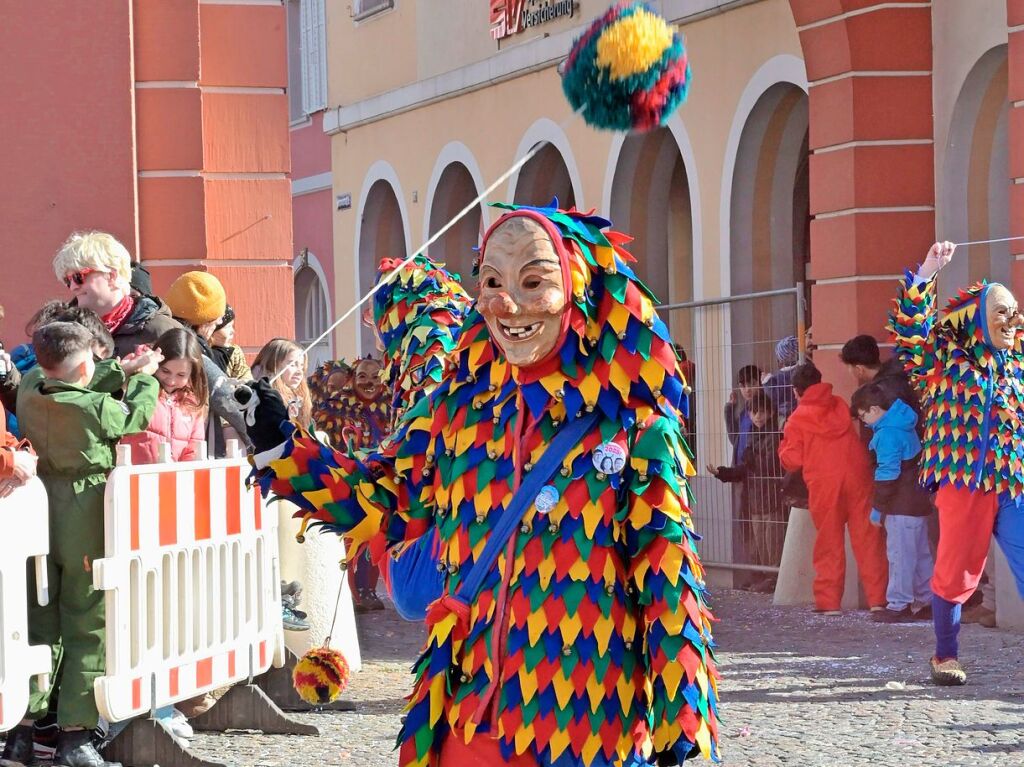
x=116 y=316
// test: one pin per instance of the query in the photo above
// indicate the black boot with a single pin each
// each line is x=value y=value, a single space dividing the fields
x=75 y=749
x=18 y=747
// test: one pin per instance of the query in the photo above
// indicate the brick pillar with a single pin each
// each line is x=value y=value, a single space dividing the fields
x=1015 y=22
x=872 y=192
x=212 y=126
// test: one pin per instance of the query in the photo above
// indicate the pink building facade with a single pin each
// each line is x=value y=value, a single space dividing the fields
x=312 y=196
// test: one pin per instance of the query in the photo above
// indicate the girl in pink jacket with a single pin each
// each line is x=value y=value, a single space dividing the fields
x=180 y=417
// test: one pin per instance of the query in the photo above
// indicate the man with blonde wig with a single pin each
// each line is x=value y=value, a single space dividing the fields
x=96 y=270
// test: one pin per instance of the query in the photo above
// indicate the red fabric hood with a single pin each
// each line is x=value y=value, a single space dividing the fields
x=821 y=412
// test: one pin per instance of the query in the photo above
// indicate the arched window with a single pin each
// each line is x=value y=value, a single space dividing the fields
x=312 y=309
x=975 y=197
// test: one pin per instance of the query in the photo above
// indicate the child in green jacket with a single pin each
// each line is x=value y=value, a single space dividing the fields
x=75 y=410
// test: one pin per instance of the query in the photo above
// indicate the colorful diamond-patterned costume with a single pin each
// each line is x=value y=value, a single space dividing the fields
x=418 y=316
x=590 y=643
x=971 y=394
x=973 y=448
x=347 y=418
x=327 y=385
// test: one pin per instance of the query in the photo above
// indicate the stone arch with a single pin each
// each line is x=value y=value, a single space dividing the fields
x=649 y=197
x=551 y=172
x=453 y=187
x=976 y=189
x=454 y=151
x=872 y=160
x=383 y=231
x=312 y=306
x=768 y=217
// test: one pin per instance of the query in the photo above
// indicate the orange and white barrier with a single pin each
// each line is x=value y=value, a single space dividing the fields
x=25 y=533
x=192 y=576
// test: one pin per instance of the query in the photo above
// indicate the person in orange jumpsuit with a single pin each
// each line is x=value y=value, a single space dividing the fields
x=819 y=438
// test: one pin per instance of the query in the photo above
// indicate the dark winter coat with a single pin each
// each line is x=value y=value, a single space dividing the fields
x=150 y=318
x=896 y=450
x=895 y=382
x=760 y=471
x=737 y=427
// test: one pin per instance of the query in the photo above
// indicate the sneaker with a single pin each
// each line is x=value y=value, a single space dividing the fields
x=905 y=615
x=76 y=749
x=948 y=672
x=924 y=614
x=291 y=621
x=168 y=726
x=180 y=725
x=292 y=589
x=291 y=603
x=44 y=734
x=18 y=747
x=826 y=611
x=371 y=601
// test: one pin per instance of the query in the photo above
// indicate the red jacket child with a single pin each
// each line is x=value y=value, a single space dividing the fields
x=820 y=438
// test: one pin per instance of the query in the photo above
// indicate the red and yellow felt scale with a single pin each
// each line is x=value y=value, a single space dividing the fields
x=590 y=643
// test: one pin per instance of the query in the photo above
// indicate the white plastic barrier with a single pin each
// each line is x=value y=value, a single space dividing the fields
x=192 y=577
x=25 y=533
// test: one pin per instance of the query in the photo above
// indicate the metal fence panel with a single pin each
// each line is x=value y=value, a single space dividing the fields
x=743 y=523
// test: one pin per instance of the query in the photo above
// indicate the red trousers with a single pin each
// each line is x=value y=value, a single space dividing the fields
x=482 y=751
x=966 y=521
x=835 y=504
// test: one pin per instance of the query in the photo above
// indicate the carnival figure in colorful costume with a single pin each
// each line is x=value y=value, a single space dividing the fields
x=330 y=385
x=368 y=407
x=417 y=317
x=589 y=642
x=349 y=403
x=967 y=367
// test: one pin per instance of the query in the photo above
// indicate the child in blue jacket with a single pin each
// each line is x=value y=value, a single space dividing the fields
x=900 y=503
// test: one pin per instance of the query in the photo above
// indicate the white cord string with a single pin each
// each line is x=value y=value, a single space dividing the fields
x=986 y=242
x=437 y=235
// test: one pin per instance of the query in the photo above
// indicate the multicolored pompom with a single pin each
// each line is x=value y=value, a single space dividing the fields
x=321 y=676
x=628 y=71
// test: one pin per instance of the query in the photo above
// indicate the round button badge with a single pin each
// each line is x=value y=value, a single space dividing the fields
x=610 y=458
x=546 y=499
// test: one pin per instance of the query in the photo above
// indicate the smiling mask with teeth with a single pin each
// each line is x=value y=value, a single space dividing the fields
x=366 y=379
x=522 y=291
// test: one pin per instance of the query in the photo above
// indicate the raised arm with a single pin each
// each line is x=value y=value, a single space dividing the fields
x=133 y=413
x=912 y=321
x=352 y=493
x=675 y=622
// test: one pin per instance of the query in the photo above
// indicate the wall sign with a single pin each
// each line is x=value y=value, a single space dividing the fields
x=510 y=17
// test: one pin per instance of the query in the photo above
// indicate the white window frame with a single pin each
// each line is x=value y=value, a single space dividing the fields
x=363 y=9
x=313 y=22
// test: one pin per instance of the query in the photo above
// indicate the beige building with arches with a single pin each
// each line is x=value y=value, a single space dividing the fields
x=823 y=142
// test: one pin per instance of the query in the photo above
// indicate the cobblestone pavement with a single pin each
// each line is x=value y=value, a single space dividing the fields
x=798 y=689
